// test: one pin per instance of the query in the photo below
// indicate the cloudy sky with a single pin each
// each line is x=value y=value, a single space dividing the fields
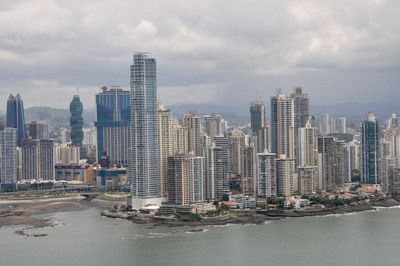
x=226 y=52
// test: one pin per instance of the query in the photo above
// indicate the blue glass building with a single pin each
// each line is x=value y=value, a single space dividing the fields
x=113 y=119
x=370 y=151
x=15 y=116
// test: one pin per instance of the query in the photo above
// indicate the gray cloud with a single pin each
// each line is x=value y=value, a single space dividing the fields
x=226 y=52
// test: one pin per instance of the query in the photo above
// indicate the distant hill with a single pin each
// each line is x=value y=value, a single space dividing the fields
x=354 y=111
x=235 y=114
x=55 y=117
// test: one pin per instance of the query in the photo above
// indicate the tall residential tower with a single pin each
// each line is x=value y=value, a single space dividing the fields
x=144 y=155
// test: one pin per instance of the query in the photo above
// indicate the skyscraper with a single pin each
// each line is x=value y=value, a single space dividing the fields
x=282 y=126
x=266 y=175
x=307 y=183
x=144 y=155
x=257 y=115
x=192 y=123
x=212 y=125
x=76 y=123
x=351 y=159
x=38 y=159
x=165 y=136
x=249 y=170
x=370 y=150
x=307 y=145
x=113 y=119
x=331 y=172
x=38 y=130
x=325 y=124
x=217 y=157
x=301 y=104
x=180 y=139
x=185 y=177
x=285 y=168
x=15 y=116
x=8 y=142
x=236 y=145
x=341 y=125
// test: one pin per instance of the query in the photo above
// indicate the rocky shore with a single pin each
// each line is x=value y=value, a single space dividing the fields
x=251 y=216
x=25 y=212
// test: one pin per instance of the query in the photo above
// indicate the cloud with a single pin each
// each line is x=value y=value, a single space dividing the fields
x=208 y=51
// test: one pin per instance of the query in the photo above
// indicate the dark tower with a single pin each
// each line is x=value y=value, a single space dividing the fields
x=76 y=122
x=15 y=116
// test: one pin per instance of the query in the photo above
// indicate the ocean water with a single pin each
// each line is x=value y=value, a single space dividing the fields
x=86 y=238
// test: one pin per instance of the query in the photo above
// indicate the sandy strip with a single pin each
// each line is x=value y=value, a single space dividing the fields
x=7 y=202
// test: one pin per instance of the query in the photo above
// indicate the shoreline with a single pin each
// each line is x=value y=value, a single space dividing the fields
x=251 y=217
x=25 y=213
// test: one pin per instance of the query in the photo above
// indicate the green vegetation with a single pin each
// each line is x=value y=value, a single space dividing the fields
x=278 y=201
x=329 y=202
x=191 y=217
x=222 y=209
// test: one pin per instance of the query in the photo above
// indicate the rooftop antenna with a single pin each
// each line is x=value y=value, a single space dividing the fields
x=77 y=91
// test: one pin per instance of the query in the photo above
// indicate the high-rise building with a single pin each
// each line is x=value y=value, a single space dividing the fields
x=178 y=180
x=392 y=122
x=341 y=125
x=217 y=170
x=2 y=123
x=325 y=124
x=76 y=123
x=66 y=154
x=144 y=156
x=65 y=135
x=38 y=159
x=89 y=137
x=301 y=104
x=263 y=139
x=282 y=126
x=389 y=148
x=185 y=177
x=37 y=130
x=113 y=118
x=307 y=183
x=236 y=145
x=266 y=175
x=307 y=145
x=285 y=168
x=192 y=123
x=394 y=181
x=370 y=150
x=249 y=170
x=331 y=172
x=165 y=136
x=15 y=116
x=180 y=139
x=212 y=125
x=351 y=159
x=257 y=115
x=8 y=167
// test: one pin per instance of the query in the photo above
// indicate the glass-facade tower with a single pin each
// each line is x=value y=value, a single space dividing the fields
x=370 y=151
x=113 y=118
x=15 y=116
x=144 y=155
